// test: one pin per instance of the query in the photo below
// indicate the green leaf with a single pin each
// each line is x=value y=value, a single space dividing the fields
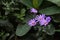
x=27 y=3
x=22 y=12
x=55 y=1
x=50 y=10
x=56 y=18
x=37 y=3
x=32 y=3
x=50 y=30
x=21 y=15
x=22 y=29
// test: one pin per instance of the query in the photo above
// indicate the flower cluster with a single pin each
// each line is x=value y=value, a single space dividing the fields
x=41 y=19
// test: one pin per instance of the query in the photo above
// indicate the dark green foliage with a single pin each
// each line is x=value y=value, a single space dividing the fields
x=22 y=30
x=15 y=14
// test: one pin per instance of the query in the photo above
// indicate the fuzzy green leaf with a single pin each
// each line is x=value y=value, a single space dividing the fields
x=28 y=3
x=55 y=1
x=22 y=29
x=50 y=10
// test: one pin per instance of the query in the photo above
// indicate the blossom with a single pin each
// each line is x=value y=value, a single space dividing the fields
x=32 y=10
x=45 y=21
x=40 y=17
x=32 y=22
x=48 y=19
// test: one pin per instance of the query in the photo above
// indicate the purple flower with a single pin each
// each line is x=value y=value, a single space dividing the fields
x=32 y=22
x=40 y=17
x=33 y=10
x=48 y=19
x=45 y=21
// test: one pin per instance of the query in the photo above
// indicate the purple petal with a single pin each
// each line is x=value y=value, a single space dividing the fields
x=43 y=15
x=40 y=17
x=43 y=22
x=48 y=19
x=33 y=10
x=32 y=22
